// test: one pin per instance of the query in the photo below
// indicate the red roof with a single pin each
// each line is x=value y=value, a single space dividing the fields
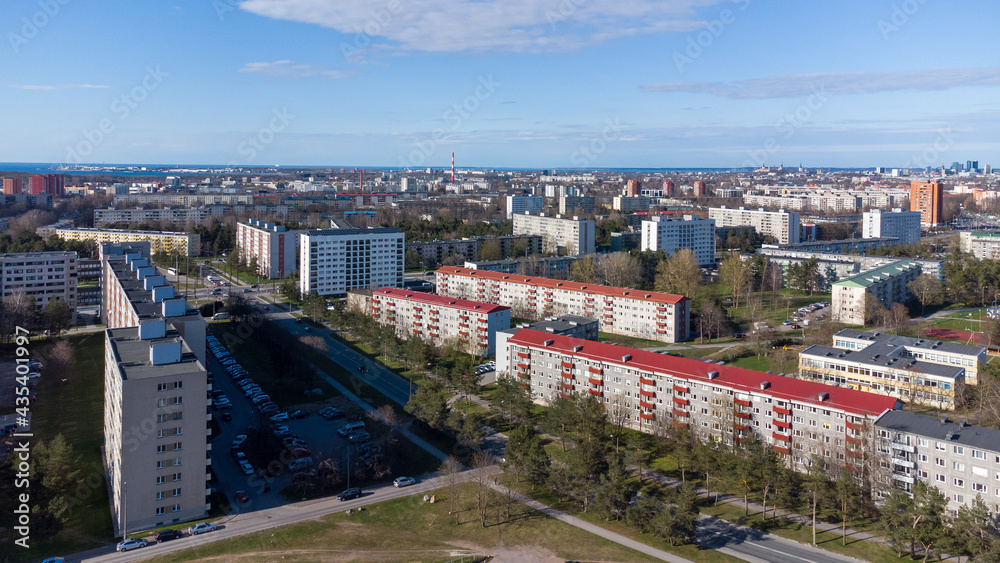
x=440 y=300
x=656 y=297
x=785 y=388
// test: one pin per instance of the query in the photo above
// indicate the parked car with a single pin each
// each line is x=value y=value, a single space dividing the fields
x=202 y=528
x=280 y=417
x=238 y=440
x=301 y=413
x=227 y=416
x=242 y=497
x=130 y=544
x=353 y=492
x=246 y=468
x=167 y=535
x=403 y=481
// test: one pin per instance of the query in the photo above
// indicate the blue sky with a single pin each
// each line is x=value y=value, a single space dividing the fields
x=516 y=83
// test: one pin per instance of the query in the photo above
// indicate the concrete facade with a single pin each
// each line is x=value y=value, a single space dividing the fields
x=275 y=249
x=671 y=235
x=904 y=225
x=887 y=284
x=560 y=235
x=335 y=261
x=183 y=244
x=782 y=225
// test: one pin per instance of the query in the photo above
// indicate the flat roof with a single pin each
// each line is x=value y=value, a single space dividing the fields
x=784 y=388
x=881 y=355
x=606 y=290
x=53 y=253
x=889 y=270
x=138 y=296
x=154 y=233
x=132 y=354
x=909 y=341
x=344 y=232
x=941 y=428
x=440 y=300
x=556 y=325
x=850 y=241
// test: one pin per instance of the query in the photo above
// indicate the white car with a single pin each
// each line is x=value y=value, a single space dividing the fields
x=403 y=481
x=202 y=528
x=237 y=441
x=246 y=467
x=130 y=544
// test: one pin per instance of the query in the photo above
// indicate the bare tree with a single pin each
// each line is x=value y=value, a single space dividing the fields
x=584 y=270
x=482 y=464
x=927 y=289
x=619 y=269
x=679 y=274
x=711 y=319
x=451 y=469
x=735 y=275
x=316 y=342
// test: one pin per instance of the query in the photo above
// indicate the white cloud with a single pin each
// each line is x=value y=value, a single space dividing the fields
x=480 y=25
x=838 y=83
x=289 y=69
x=56 y=86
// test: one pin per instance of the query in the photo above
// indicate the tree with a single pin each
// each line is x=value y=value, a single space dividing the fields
x=482 y=464
x=973 y=529
x=429 y=404
x=289 y=289
x=583 y=270
x=525 y=456
x=511 y=401
x=848 y=498
x=679 y=274
x=619 y=269
x=314 y=305
x=451 y=469
x=677 y=523
x=734 y=274
x=816 y=482
x=491 y=250
x=927 y=517
x=896 y=317
x=927 y=289
x=58 y=316
x=560 y=418
x=61 y=358
x=874 y=310
x=711 y=320
x=612 y=495
x=637 y=452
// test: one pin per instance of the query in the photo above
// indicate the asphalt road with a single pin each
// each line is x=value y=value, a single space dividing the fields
x=754 y=545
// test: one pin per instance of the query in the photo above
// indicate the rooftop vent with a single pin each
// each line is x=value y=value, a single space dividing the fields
x=451 y=302
x=583 y=287
x=578 y=347
x=713 y=374
x=962 y=423
x=944 y=420
x=475 y=306
x=505 y=277
x=626 y=357
x=950 y=436
x=765 y=384
x=549 y=342
x=824 y=396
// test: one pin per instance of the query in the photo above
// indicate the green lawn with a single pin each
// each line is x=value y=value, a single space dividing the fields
x=958 y=324
x=629 y=341
x=408 y=529
x=752 y=362
x=75 y=408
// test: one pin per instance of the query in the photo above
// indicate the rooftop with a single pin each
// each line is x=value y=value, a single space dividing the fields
x=866 y=279
x=346 y=232
x=783 y=388
x=850 y=242
x=555 y=325
x=884 y=355
x=440 y=300
x=941 y=428
x=132 y=354
x=139 y=297
x=605 y=290
x=154 y=233
x=909 y=342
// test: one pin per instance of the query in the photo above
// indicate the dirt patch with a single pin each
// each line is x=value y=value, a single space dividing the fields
x=961 y=335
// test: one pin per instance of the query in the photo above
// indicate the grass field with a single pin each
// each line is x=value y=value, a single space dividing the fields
x=408 y=529
x=630 y=341
x=75 y=408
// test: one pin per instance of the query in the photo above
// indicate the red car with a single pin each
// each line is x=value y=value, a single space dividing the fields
x=242 y=497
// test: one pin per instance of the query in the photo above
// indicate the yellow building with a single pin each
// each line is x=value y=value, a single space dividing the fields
x=184 y=244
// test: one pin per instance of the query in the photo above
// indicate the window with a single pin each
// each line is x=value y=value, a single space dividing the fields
x=979 y=488
x=176 y=492
x=939 y=462
x=958 y=450
x=160 y=510
x=161 y=464
x=176 y=508
x=176 y=461
x=959 y=482
x=161 y=449
x=958 y=466
x=979 y=454
x=939 y=478
x=939 y=446
x=161 y=418
x=161 y=495
x=959 y=498
x=177 y=476
x=161 y=479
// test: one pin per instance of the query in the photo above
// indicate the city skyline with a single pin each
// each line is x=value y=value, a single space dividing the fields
x=568 y=84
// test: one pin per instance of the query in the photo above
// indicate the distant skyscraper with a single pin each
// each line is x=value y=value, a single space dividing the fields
x=633 y=188
x=956 y=166
x=927 y=198
x=975 y=166
x=700 y=188
x=989 y=170
x=52 y=184
x=11 y=186
x=668 y=188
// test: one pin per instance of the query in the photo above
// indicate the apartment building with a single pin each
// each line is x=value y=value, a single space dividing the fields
x=185 y=200
x=903 y=225
x=440 y=319
x=43 y=276
x=433 y=252
x=932 y=351
x=670 y=235
x=981 y=244
x=156 y=427
x=31 y=201
x=133 y=292
x=835 y=266
x=275 y=248
x=581 y=204
x=567 y=325
x=628 y=204
x=798 y=419
x=782 y=225
x=335 y=261
x=560 y=235
x=927 y=198
x=546 y=266
x=961 y=460
x=183 y=244
x=834 y=246
x=631 y=312
x=520 y=204
x=182 y=215
x=887 y=284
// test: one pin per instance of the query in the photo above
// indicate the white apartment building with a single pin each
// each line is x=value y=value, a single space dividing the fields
x=931 y=351
x=841 y=265
x=627 y=204
x=520 y=204
x=335 y=261
x=961 y=460
x=982 y=244
x=671 y=235
x=631 y=312
x=798 y=419
x=183 y=244
x=560 y=235
x=571 y=203
x=438 y=319
x=156 y=427
x=904 y=225
x=274 y=248
x=44 y=276
x=887 y=284
x=782 y=225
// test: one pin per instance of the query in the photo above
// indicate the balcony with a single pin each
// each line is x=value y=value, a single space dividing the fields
x=593 y=381
x=680 y=400
x=681 y=389
x=903 y=463
x=464 y=317
x=646 y=416
x=661 y=309
x=645 y=381
x=782 y=437
x=524 y=366
x=855 y=441
x=903 y=447
x=567 y=365
x=854 y=453
x=855 y=426
x=646 y=405
x=741 y=402
x=780 y=410
x=598 y=371
x=567 y=386
x=780 y=449
x=645 y=393
x=903 y=478
x=679 y=412
x=683 y=425
x=740 y=427
x=743 y=415
x=523 y=355
x=595 y=392
x=782 y=424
